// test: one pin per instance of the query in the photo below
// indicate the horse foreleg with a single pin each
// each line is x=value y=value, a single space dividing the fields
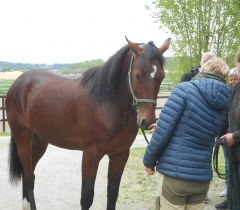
x=90 y=162
x=116 y=166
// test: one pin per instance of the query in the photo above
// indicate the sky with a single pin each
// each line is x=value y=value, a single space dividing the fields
x=72 y=31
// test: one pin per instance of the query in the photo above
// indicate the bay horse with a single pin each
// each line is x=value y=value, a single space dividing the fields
x=99 y=113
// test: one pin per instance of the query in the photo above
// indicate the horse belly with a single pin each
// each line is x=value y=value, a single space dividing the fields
x=57 y=131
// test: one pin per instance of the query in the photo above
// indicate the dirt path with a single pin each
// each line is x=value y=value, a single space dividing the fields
x=58 y=182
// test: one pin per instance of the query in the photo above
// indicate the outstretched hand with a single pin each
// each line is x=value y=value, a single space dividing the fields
x=151 y=171
x=152 y=128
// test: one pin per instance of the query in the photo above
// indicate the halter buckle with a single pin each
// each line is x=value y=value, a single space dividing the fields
x=135 y=101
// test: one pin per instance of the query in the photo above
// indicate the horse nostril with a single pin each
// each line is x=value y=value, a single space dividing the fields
x=144 y=124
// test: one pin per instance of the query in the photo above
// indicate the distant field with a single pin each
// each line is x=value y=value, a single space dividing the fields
x=4 y=86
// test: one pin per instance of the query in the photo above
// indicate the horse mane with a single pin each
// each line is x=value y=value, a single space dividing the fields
x=103 y=82
x=150 y=53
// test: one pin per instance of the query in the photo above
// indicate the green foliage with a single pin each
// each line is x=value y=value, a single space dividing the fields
x=198 y=27
x=79 y=68
x=6 y=68
x=28 y=66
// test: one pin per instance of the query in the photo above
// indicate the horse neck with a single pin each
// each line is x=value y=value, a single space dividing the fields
x=124 y=98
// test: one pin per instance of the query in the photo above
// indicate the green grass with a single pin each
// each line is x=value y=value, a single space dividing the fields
x=4 y=134
x=137 y=187
x=140 y=132
x=4 y=86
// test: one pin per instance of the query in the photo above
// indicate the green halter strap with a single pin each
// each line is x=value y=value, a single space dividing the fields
x=135 y=99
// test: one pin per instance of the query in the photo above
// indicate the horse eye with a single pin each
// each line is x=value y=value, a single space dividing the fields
x=138 y=77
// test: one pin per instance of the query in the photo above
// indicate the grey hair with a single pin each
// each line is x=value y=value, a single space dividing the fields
x=210 y=54
x=233 y=72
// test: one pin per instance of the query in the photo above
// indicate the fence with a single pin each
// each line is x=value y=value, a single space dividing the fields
x=4 y=116
x=166 y=87
x=3 y=112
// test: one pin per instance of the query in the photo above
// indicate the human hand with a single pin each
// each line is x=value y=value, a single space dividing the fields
x=152 y=128
x=229 y=137
x=150 y=171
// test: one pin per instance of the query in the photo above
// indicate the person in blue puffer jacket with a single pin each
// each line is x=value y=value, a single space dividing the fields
x=182 y=143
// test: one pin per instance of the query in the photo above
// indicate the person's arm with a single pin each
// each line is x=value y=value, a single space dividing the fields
x=235 y=136
x=232 y=137
x=166 y=125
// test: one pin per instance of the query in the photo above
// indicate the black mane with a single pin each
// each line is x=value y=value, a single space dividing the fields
x=103 y=81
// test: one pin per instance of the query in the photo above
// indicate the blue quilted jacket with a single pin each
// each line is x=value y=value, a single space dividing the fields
x=181 y=146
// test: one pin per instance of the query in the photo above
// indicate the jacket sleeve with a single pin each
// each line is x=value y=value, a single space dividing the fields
x=166 y=124
x=224 y=128
x=236 y=136
x=236 y=133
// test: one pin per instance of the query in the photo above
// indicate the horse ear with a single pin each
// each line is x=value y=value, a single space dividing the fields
x=165 y=45
x=134 y=47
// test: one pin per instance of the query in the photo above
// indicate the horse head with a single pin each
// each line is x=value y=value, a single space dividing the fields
x=145 y=75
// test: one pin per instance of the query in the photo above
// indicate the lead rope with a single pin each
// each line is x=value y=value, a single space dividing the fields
x=231 y=155
x=145 y=134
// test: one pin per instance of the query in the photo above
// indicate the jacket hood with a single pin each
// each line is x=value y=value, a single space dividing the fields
x=213 y=90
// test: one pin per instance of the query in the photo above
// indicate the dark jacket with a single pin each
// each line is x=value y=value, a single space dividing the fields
x=189 y=75
x=234 y=117
x=181 y=146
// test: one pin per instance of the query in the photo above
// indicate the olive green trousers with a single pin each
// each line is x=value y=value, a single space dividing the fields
x=176 y=194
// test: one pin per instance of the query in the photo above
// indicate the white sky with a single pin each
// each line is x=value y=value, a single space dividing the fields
x=70 y=31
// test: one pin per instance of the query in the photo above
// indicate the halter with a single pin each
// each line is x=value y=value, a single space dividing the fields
x=135 y=99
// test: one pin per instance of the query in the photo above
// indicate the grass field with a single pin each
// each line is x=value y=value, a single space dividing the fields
x=4 y=86
x=4 y=134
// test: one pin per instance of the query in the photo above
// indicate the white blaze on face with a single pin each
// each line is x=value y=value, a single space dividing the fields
x=25 y=205
x=154 y=71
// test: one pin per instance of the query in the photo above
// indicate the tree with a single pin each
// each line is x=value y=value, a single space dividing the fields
x=6 y=68
x=199 y=26
x=79 y=68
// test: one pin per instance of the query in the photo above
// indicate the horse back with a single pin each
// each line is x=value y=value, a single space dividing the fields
x=43 y=102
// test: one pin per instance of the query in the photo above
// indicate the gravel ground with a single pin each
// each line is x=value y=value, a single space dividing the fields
x=58 y=182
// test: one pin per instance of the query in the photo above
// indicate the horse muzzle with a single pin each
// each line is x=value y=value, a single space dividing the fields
x=145 y=121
